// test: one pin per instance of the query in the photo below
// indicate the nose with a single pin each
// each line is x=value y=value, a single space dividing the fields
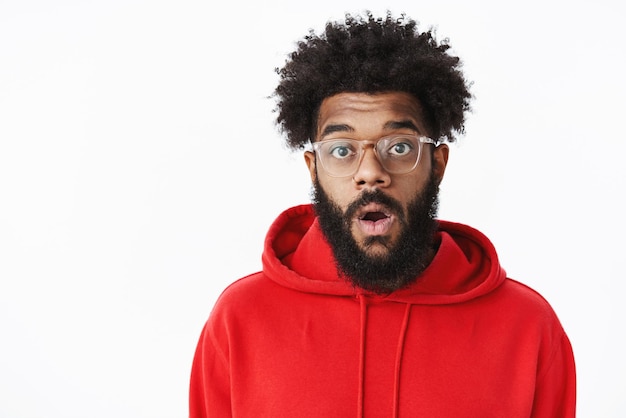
x=370 y=172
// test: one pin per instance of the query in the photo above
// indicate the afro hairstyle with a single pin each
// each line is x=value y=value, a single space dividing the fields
x=371 y=55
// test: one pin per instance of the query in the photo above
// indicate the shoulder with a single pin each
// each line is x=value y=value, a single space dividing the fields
x=516 y=292
x=250 y=299
x=234 y=306
x=244 y=291
x=523 y=308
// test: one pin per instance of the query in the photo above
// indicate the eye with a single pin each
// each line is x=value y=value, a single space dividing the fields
x=400 y=148
x=341 y=150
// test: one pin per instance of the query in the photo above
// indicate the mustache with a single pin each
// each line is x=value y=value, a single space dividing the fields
x=374 y=196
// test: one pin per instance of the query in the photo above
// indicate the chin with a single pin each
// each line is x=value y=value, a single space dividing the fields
x=376 y=247
x=378 y=255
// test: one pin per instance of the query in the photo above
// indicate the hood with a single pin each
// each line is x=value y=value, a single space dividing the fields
x=297 y=256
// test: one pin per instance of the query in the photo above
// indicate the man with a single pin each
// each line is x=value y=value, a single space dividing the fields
x=367 y=305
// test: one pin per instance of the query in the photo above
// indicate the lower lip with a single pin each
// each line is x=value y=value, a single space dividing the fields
x=375 y=228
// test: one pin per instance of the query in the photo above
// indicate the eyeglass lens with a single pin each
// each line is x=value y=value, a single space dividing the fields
x=341 y=157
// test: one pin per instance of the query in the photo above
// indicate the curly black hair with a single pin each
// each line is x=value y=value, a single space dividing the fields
x=370 y=55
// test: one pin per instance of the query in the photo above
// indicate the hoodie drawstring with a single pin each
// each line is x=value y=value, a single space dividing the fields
x=396 y=388
x=398 y=364
x=363 y=318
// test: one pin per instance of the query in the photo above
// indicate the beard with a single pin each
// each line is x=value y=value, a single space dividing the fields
x=403 y=261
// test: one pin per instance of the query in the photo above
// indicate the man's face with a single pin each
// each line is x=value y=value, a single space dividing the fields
x=375 y=208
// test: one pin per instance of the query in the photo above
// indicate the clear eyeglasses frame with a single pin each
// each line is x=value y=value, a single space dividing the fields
x=397 y=154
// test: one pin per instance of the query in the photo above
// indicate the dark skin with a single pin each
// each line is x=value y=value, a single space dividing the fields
x=369 y=117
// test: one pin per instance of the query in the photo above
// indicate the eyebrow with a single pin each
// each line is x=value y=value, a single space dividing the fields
x=336 y=128
x=394 y=124
x=402 y=124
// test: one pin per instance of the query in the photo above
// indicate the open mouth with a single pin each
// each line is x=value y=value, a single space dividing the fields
x=375 y=219
x=374 y=216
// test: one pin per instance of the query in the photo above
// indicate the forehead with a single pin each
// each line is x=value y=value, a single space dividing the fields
x=369 y=113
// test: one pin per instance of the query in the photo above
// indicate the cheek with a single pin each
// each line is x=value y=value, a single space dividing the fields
x=418 y=178
x=410 y=187
x=407 y=189
x=340 y=191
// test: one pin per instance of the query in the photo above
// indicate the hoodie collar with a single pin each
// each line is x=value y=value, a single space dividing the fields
x=297 y=255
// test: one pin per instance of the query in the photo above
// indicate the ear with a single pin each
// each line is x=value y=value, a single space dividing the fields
x=440 y=161
x=309 y=158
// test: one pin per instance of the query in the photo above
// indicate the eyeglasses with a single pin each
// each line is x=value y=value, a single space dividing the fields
x=398 y=154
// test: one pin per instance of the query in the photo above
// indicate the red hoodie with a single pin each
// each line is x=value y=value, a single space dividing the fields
x=297 y=340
